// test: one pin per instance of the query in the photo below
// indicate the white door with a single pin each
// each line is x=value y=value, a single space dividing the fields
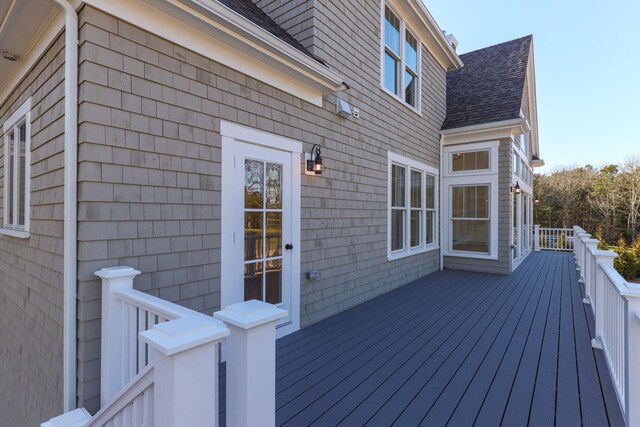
x=261 y=222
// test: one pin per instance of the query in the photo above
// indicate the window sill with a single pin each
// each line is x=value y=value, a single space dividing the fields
x=470 y=255
x=410 y=252
x=401 y=101
x=21 y=234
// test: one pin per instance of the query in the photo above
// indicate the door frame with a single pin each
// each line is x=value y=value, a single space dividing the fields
x=232 y=134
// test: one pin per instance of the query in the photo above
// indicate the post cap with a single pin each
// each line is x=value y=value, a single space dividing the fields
x=117 y=272
x=249 y=314
x=182 y=334
x=605 y=254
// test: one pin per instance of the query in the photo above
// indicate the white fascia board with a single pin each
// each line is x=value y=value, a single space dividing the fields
x=485 y=131
x=45 y=35
x=218 y=33
x=430 y=34
x=533 y=103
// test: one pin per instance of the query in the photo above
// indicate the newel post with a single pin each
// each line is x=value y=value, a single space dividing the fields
x=251 y=362
x=111 y=378
x=581 y=254
x=632 y=338
x=185 y=371
x=603 y=259
x=590 y=245
x=536 y=238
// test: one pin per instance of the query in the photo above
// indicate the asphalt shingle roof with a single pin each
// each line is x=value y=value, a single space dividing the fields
x=489 y=87
x=253 y=13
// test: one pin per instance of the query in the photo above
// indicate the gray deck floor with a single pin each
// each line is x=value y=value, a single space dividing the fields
x=453 y=348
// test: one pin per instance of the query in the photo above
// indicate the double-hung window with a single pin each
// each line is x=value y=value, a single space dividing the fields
x=470 y=218
x=17 y=137
x=412 y=207
x=401 y=60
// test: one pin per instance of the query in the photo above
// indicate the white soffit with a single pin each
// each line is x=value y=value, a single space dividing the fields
x=27 y=27
x=216 y=32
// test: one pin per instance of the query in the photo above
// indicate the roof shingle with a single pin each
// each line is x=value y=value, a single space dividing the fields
x=489 y=87
x=250 y=11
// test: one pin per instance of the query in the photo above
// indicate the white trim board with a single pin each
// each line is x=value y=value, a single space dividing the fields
x=216 y=32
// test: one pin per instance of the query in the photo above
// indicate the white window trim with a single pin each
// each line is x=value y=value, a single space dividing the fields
x=492 y=146
x=488 y=177
x=23 y=113
x=410 y=165
x=403 y=29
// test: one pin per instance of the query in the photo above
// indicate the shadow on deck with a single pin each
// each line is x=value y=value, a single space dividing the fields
x=454 y=348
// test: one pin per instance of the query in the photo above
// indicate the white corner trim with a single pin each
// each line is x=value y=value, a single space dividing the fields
x=258 y=137
x=216 y=32
x=49 y=30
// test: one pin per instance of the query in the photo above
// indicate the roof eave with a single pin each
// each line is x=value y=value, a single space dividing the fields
x=430 y=33
x=485 y=131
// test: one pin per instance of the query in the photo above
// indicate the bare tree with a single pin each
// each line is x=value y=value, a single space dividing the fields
x=630 y=183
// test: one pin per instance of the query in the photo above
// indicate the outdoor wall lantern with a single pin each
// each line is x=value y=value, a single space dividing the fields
x=516 y=189
x=314 y=161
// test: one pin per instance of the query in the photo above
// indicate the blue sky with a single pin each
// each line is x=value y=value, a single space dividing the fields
x=587 y=57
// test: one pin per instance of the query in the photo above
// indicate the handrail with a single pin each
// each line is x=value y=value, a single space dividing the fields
x=138 y=386
x=156 y=305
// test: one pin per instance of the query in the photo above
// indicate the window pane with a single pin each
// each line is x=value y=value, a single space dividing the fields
x=469 y=161
x=392 y=31
x=482 y=202
x=397 y=229
x=431 y=194
x=21 y=173
x=10 y=178
x=429 y=227
x=274 y=234
x=411 y=51
x=482 y=160
x=416 y=189
x=471 y=235
x=397 y=186
x=252 y=235
x=415 y=228
x=457 y=200
x=273 y=281
x=410 y=89
x=253 y=184
x=390 y=73
x=457 y=162
x=274 y=183
x=470 y=202
x=253 y=281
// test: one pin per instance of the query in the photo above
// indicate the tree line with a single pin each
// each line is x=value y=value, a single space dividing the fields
x=604 y=201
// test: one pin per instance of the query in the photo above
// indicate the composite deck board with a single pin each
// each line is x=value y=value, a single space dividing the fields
x=372 y=355
x=469 y=405
x=453 y=348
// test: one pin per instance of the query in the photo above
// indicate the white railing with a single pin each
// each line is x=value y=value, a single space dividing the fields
x=133 y=406
x=553 y=239
x=615 y=304
x=159 y=362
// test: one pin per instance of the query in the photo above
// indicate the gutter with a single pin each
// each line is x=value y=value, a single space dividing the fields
x=442 y=207
x=70 y=203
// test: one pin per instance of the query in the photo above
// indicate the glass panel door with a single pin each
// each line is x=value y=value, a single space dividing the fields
x=263 y=231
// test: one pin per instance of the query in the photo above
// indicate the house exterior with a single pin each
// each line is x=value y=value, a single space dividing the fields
x=187 y=160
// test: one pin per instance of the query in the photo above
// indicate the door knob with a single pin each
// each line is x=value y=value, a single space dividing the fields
x=288 y=246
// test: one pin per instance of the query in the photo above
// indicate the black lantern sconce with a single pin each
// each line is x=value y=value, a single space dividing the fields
x=516 y=189
x=314 y=161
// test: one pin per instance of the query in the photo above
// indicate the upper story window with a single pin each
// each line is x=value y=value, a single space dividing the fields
x=470 y=161
x=401 y=60
x=17 y=150
x=412 y=207
x=524 y=142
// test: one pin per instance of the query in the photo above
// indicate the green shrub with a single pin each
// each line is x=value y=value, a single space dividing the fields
x=602 y=245
x=628 y=261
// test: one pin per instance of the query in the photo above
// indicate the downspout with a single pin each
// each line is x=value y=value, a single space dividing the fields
x=442 y=207
x=70 y=202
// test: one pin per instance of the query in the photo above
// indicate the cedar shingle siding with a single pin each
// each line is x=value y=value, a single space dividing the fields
x=31 y=286
x=149 y=173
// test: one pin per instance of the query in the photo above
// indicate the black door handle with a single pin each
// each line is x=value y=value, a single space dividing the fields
x=288 y=246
